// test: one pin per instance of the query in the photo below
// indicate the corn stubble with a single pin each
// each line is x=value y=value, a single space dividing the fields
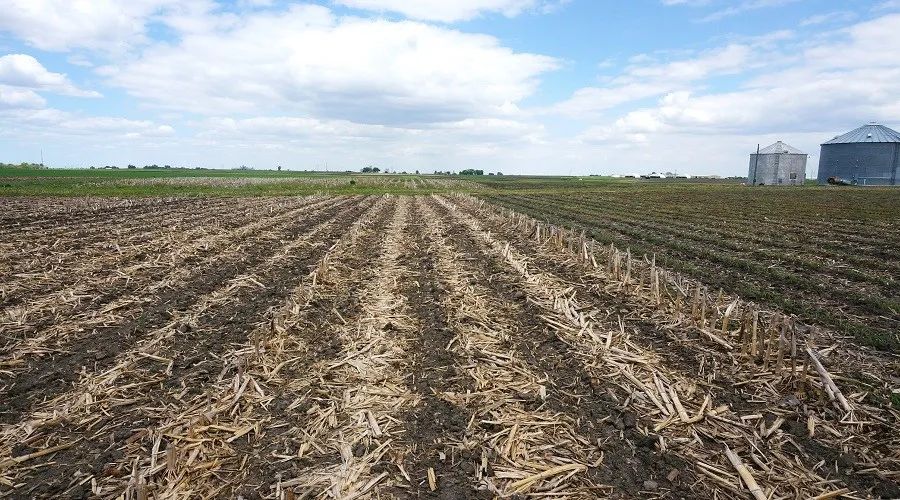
x=309 y=393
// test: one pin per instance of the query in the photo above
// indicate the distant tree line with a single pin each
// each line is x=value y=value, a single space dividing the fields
x=370 y=170
x=22 y=165
x=468 y=171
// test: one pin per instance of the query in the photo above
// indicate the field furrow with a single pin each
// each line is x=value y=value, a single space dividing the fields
x=39 y=217
x=175 y=361
x=50 y=257
x=783 y=248
x=64 y=262
x=65 y=231
x=354 y=427
x=569 y=388
x=118 y=288
x=244 y=422
x=435 y=425
x=528 y=443
x=90 y=277
x=53 y=359
x=868 y=311
x=632 y=363
x=435 y=346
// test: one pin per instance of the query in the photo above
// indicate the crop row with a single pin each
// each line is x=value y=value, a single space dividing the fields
x=769 y=233
x=408 y=347
x=870 y=313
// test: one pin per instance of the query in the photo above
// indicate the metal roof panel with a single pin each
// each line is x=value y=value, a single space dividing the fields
x=780 y=148
x=871 y=132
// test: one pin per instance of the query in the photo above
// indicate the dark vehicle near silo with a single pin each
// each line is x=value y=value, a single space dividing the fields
x=867 y=156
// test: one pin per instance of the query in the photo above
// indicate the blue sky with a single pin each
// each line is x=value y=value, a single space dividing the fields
x=520 y=86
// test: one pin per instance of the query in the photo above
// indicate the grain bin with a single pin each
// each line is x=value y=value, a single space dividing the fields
x=867 y=156
x=777 y=164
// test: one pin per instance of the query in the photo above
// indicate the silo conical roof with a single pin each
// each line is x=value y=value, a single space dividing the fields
x=780 y=148
x=871 y=132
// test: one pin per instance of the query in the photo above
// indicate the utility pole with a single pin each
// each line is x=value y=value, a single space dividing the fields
x=42 y=157
x=755 y=165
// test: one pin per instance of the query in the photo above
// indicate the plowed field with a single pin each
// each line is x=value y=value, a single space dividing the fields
x=405 y=347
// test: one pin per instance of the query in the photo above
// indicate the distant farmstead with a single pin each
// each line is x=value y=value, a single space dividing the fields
x=867 y=156
x=778 y=164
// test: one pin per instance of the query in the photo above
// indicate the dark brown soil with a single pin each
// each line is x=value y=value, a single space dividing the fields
x=633 y=465
x=38 y=219
x=435 y=422
x=689 y=359
x=45 y=377
x=630 y=458
x=65 y=254
x=316 y=327
x=822 y=295
x=196 y=351
x=136 y=283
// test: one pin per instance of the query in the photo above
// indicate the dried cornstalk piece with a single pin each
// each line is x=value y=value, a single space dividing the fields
x=524 y=485
x=745 y=474
x=832 y=494
x=432 y=480
x=834 y=393
x=40 y=453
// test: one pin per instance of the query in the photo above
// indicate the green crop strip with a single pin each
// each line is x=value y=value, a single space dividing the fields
x=804 y=278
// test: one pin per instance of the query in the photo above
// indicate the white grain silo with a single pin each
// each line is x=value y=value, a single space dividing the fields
x=778 y=164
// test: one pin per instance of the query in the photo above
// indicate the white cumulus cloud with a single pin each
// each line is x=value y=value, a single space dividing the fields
x=451 y=11
x=39 y=121
x=13 y=98
x=22 y=70
x=803 y=97
x=307 y=62
x=106 y=25
x=646 y=79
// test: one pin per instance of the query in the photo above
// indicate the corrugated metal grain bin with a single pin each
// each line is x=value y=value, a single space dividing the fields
x=867 y=156
x=778 y=164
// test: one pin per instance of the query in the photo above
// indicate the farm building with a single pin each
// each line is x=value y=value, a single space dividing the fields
x=777 y=164
x=868 y=156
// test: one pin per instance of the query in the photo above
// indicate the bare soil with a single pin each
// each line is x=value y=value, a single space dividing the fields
x=391 y=347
